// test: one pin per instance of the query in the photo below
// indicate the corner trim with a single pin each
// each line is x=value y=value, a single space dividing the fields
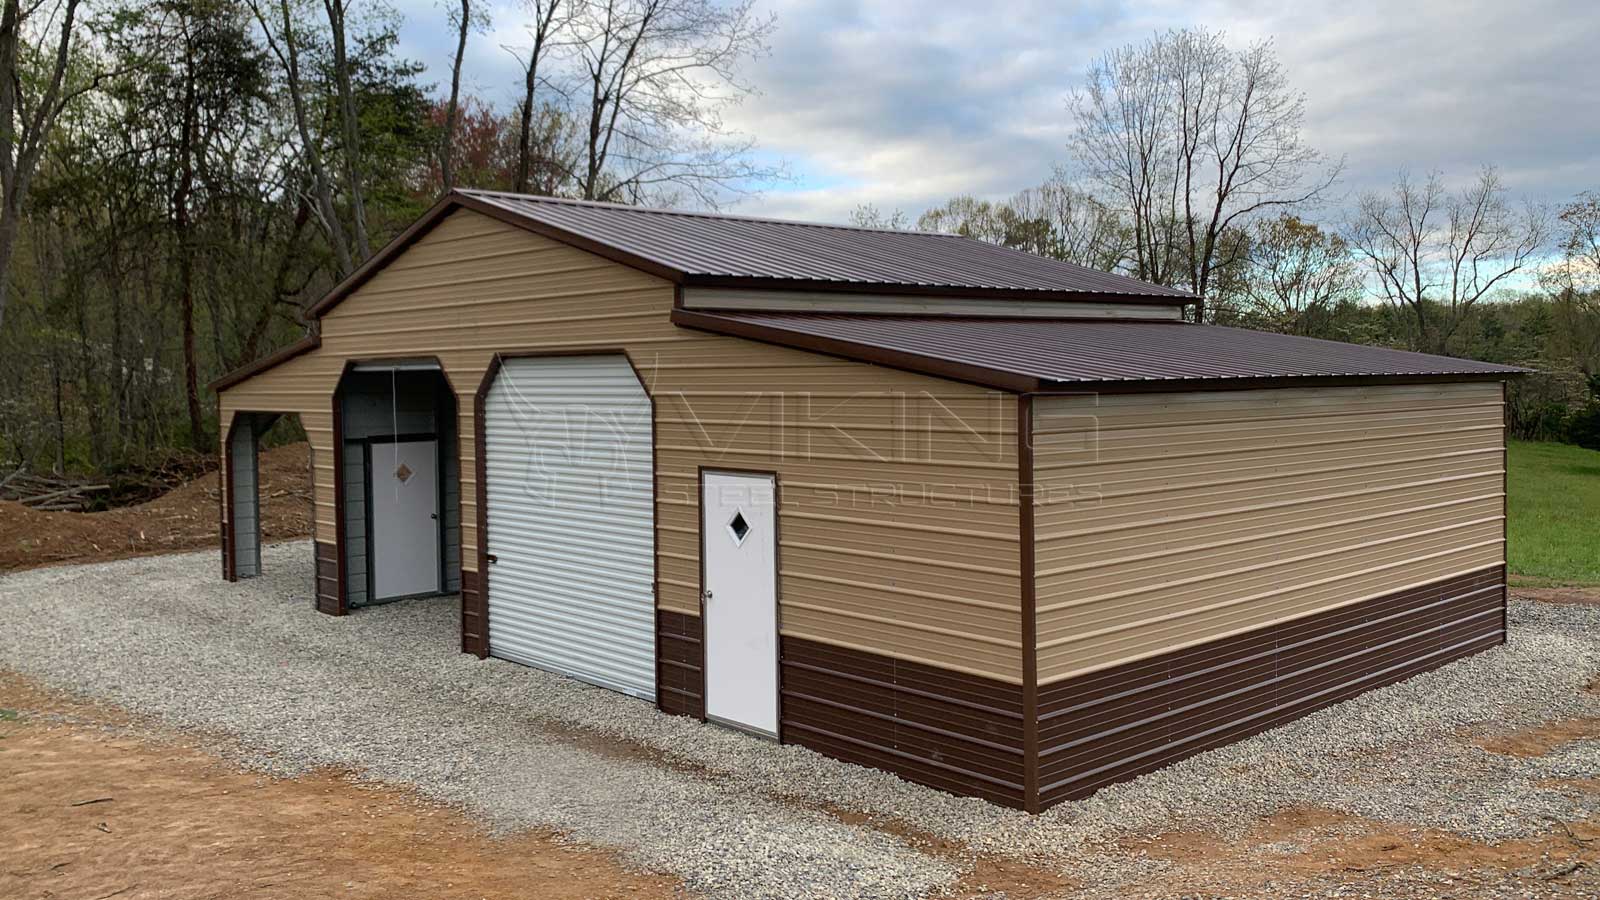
x=341 y=604
x=1029 y=602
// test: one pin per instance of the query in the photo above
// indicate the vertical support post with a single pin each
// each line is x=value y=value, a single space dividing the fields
x=334 y=599
x=225 y=486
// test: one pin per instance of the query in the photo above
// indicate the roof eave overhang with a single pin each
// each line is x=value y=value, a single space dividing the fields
x=245 y=372
x=928 y=290
x=1260 y=382
x=1021 y=383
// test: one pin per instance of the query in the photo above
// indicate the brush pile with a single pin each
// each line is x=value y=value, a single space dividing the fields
x=49 y=493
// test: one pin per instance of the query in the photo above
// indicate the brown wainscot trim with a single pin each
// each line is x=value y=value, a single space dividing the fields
x=949 y=730
x=1117 y=723
x=680 y=664
x=474 y=620
x=329 y=581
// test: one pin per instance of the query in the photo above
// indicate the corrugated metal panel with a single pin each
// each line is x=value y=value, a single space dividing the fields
x=891 y=479
x=1117 y=723
x=1166 y=520
x=571 y=520
x=707 y=244
x=927 y=724
x=246 y=503
x=1073 y=353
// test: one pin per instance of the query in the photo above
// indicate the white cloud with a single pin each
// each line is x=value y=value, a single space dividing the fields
x=904 y=103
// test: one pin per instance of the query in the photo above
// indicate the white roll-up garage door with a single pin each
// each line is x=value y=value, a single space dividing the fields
x=571 y=520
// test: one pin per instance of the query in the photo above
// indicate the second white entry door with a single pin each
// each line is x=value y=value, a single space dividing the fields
x=405 y=518
x=739 y=540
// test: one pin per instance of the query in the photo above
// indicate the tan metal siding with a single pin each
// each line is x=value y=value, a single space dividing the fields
x=899 y=521
x=1167 y=520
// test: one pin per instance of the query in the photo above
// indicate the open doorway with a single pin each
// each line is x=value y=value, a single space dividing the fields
x=399 y=495
x=267 y=477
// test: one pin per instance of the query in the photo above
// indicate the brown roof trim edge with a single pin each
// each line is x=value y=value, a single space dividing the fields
x=754 y=282
x=450 y=203
x=605 y=251
x=894 y=359
x=1263 y=382
x=249 y=370
x=378 y=260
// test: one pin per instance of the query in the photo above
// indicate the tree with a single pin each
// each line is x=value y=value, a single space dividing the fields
x=1054 y=219
x=350 y=120
x=655 y=77
x=966 y=216
x=1578 y=272
x=1435 y=254
x=1192 y=139
x=1073 y=225
x=1574 y=282
x=34 y=63
x=867 y=215
x=464 y=21
x=285 y=45
x=550 y=19
x=484 y=149
x=1294 y=274
x=193 y=99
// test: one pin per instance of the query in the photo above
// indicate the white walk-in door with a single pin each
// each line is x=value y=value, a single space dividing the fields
x=404 y=478
x=739 y=537
x=571 y=520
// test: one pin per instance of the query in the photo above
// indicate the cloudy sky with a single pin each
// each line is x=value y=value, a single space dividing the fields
x=903 y=104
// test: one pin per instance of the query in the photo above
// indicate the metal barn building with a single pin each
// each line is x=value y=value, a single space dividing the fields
x=1000 y=524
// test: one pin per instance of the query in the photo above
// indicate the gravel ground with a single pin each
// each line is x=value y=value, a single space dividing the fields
x=385 y=694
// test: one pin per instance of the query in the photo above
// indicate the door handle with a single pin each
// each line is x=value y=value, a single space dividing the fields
x=706 y=594
x=491 y=558
x=433 y=516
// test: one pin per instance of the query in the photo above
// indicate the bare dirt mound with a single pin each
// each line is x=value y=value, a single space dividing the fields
x=96 y=810
x=185 y=518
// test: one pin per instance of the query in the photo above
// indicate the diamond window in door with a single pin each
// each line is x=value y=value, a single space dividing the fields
x=738 y=527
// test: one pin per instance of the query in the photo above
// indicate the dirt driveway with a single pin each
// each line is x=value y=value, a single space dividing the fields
x=94 y=808
x=97 y=806
x=499 y=781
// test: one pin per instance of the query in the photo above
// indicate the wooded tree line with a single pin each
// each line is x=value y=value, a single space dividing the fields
x=182 y=178
x=1187 y=167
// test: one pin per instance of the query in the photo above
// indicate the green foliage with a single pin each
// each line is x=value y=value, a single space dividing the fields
x=180 y=177
x=1553 y=531
x=1583 y=428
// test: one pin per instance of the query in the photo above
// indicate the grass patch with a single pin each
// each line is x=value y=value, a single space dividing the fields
x=1555 y=513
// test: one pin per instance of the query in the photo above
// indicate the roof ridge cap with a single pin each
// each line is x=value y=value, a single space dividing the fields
x=698 y=214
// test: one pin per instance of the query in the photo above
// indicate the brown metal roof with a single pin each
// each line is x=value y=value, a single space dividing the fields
x=712 y=249
x=1041 y=354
